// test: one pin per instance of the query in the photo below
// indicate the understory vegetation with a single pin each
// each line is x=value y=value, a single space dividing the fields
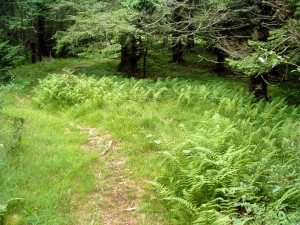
x=150 y=112
x=230 y=160
x=210 y=152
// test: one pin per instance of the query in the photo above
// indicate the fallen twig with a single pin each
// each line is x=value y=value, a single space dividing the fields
x=93 y=220
x=131 y=209
x=107 y=149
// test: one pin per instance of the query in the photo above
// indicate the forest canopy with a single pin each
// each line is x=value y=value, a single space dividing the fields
x=253 y=38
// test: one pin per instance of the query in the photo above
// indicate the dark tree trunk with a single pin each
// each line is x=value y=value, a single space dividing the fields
x=129 y=57
x=145 y=62
x=41 y=36
x=177 y=48
x=220 y=64
x=258 y=86
x=33 y=52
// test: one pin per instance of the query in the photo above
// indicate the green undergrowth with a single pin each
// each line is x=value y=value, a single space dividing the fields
x=218 y=156
x=25 y=77
x=45 y=178
x=239 y=167
x=64 y=90
x=201 y=147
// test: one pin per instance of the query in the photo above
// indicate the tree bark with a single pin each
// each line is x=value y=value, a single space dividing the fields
x=258 y=86
x=33 y=53
x=220 y=64
x=41 y=32
x=129 y=57
x=145 y=62
x=177 y=48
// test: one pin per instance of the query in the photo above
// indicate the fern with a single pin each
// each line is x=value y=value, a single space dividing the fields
x=237 y=163
x=239 y=169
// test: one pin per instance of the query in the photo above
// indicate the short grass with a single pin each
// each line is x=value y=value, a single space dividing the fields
x=49 y=170
x=149 y=117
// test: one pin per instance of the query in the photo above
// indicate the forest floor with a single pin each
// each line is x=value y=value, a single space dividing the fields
x=87 y=164
x=65 y=161
x=119 y=193
x=106 y=191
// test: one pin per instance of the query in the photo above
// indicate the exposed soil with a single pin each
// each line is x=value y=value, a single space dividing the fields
x=117 y=197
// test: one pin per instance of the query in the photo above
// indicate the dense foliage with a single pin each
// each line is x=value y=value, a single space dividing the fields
x=9 y=55
x=235 y=170
x=238 y=164
x=92 y=27
x=221 y=155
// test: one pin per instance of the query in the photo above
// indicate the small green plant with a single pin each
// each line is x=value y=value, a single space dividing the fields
x=11 y=133
x=12 y=206
x=47 y=64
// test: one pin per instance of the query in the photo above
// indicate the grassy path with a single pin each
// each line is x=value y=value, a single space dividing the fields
x=51 y=168
x=64 y=175
x=62 y=171
x=117 y=195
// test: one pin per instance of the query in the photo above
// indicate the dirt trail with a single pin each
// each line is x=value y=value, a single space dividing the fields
x=117 y=196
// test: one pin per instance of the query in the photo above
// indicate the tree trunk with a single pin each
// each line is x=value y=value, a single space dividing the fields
x=220 y=64
x=145 y=62
x=41 y=31
x=258 y=86
x=33 y=53
x=177 y=48
x=129 y=57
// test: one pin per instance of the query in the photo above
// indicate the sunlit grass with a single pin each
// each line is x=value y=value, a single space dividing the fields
x=50 y=169
x=147 y=117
